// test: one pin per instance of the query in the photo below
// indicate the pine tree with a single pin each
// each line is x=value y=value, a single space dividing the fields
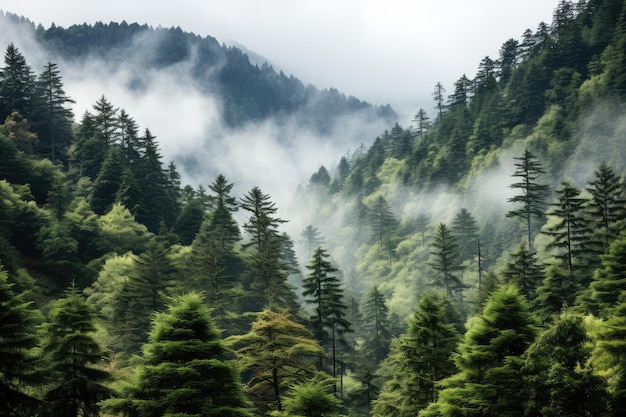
x=533 y=193
x=523 y=271
x=607 y=204
x=311 y=238
x=266 y=268
x=18 y=367
x=17 y=85
x=489 y=382
x=77 y=385
x=571 y=235
x=185 y=370
x=423 y=123
x=376 y=323
x=324 y=291
x=465 y=230
x=609 y=281
x=557 y=369
x=420 y=358
x=57 y=117
x=444 y=261
x=279 y=353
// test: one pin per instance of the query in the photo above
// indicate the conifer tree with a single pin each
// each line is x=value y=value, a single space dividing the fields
x=607 y=204
x=279 y=353
x=609 y=281
x=532 y=193
x=557 y=369
x=444 y=261
x=266 y=268
x=420 y=358
x=376 y=324
x=465 y=230
x=17 y=84
x=571 y=235
x=323 y=290
x=77 y=384
x=185 y=370
x=556 y=292
x=489 y=382
x=18 y=367
x=311 y=238
x=523 y=271
x=57 y=118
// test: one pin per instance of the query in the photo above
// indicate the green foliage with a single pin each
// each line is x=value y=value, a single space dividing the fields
x=420 y=358
x=562 y=383
x=17 y=362
x=279 y=353
x=489 y=382
x=184 y=368
x=312 y=398
x=76 y=384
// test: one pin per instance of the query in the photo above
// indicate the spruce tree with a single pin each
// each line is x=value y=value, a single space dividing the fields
x=18 y=365
x=420 y=358
x=557 y=370
x=56 y=126
x=489 y=382
x=607 y=204
x=323 y=290
x=571 y=234
x=17 y=84
x=279 y=353
x=77 y=384
x=523 y=270
x=444 y=260
x=376 y=324
x=266 y=268
x=532 y=193
x=465 y=230
x=185 y=370
x=609 y=281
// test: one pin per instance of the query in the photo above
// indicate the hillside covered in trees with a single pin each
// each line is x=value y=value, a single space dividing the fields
x=471 y=264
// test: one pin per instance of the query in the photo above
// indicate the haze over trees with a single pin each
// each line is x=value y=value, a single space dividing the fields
x=470 y=264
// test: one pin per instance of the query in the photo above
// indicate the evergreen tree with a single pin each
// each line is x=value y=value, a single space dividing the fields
x=17 y=85
x=312 y=239
x=77 y=385
x=571 y=235
x=609 y=281
x=489 y=382
x=57 y=118
x=562 y=383
x=444 y=261
x=185 y=371
x=438 y=96
x=556 y=293
x=313 y=398
x=607 y=204
x=266 y=268
x=465 y=230
x=18 y=367
x=279 y=353
x=532 y=193
x=423 y=123
x=523 y=271
x=420 y=358
x=376 y=323
x=324 y=291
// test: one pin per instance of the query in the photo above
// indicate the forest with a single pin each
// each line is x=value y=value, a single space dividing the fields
x=472 y=264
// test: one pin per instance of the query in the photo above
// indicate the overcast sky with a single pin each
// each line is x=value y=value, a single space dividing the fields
x=391 y=51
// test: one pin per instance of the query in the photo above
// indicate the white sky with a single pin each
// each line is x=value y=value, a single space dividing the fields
x=391 y=51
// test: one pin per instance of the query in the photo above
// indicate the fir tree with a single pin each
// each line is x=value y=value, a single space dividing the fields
x=77 y=385
x=18 y=367
x=532 y=193
x=420 y=358
x=185 y=371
